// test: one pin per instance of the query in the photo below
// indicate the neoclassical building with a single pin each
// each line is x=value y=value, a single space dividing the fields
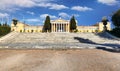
x=59 y=25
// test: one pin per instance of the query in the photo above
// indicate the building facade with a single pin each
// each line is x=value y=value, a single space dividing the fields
x=59 y=25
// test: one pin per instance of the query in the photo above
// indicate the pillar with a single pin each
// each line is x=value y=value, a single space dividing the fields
x=61 y=27
x=66 y=27
x=52 y=27
x=56 y=27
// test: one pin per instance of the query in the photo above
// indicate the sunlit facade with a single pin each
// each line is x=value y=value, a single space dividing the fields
x=58 y=25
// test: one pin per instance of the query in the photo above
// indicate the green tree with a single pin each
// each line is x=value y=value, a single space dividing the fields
x=116 y=19
x=0 y=24
x=47 y=24
x=4 y=30
x=105 y=20
x=73 y=24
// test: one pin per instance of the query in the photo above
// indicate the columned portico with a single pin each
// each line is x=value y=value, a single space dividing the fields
x=60 y=26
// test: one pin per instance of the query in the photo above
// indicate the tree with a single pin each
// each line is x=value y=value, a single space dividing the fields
x=0 y=24
x=116 y=19
x=47 y=24
x=73 y=24
x=105 y=20
x=4 y=30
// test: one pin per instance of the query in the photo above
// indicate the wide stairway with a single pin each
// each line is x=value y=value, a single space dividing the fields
x=55 y=40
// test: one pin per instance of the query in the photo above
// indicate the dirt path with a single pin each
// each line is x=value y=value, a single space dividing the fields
x=59 y=60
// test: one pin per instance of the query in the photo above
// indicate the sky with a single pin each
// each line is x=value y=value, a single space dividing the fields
x=34 y=12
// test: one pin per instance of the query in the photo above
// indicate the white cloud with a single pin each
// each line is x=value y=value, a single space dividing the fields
x=2 y=15
x=12 y=5
x=80 y=8
x=53 y=6
x=43 y=16
x=29 y=12
x=64 y=15
x=58 y=7
x=32 y=20
x=108 y=2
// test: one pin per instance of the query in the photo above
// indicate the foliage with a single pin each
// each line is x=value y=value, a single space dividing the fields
x=115 y=32
x=73 y=24
x=4 y=29
x=0 y=24
x=47 y=24
x=76 y=30
x=116 y=19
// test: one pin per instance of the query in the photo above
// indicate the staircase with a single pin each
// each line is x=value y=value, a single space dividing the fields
x=53 y=40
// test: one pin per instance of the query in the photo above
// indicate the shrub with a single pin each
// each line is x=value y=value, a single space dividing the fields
x=115 y=32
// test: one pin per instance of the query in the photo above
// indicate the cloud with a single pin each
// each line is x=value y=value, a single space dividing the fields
x=64 y=15
x=29 y=12
x=13 y=5
x=53 y=6
x=32 y=20
x=80 y=8
x=108 y=2
x=2 y=15
x=43 y=16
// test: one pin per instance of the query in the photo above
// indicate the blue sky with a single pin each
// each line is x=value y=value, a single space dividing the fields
x=86 y=12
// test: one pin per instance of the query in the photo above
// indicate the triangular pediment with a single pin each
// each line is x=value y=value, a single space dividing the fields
x=60 y=20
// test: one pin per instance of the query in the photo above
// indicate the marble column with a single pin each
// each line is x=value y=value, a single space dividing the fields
x=58 y=27
x=51 y=27
x=66 y=27
x=61 y=27
x=54 y=27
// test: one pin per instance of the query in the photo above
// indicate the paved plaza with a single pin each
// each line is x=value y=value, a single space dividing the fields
x=59 y=60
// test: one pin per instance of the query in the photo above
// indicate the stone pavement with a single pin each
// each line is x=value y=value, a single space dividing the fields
x=57 y=40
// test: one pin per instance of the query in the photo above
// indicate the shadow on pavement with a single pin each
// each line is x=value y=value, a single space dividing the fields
x=114 y=47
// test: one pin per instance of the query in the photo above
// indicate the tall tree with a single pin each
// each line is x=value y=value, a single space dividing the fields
x=0 y=24
x=47 y=24
x=116 y=19
x=73 y=24
x=105 y=20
